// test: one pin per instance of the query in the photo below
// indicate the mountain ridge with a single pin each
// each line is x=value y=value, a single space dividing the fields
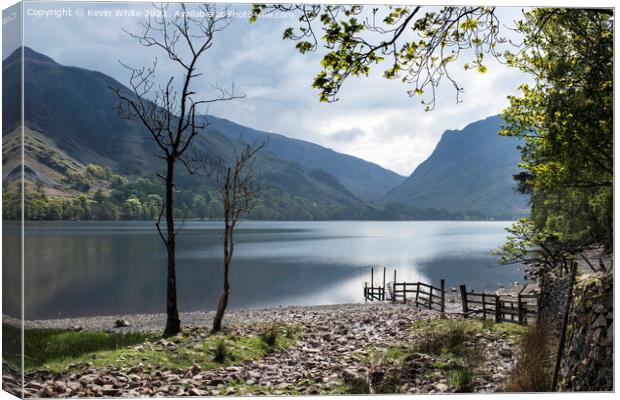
x=453 y=179
x=366 y=180
x=71 y=123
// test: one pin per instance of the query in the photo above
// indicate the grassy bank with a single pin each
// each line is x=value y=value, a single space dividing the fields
x=57 y=350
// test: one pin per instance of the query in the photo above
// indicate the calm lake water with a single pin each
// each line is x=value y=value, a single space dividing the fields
x=102 y=268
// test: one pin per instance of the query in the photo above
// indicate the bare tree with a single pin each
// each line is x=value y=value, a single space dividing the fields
x=171 y=115
x=238 y=187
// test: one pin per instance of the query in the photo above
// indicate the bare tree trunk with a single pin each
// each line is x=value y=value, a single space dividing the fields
x=173 y=323
x=223 y=303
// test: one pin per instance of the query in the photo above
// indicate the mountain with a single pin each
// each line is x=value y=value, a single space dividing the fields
x=365 y=179
x=82 y=160
x=71 y=121
x=75 y=107
x=469 y=173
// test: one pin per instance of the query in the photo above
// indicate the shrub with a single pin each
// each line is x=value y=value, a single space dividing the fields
x=269 y=334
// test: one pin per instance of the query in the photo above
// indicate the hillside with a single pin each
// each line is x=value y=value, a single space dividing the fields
x=469 y=172
x=365 y=179
x=98 y=135
x=71 y=122
x=84 y=161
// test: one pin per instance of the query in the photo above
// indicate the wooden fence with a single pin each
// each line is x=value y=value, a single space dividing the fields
x=373 y=293
x=421 y=294
x=522 y=308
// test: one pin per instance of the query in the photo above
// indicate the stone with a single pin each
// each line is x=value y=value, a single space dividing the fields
x=195 y=392
x=121 y=323
x=600 y=321
x=505 y=352
x=441 y=387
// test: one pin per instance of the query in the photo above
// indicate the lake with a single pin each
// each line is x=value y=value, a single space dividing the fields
x=106 y=268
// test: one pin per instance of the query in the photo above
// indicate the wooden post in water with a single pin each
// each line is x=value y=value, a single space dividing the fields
x=383 y=284
x=442 y=284
x=498 y=310
x=464 y=300
x=372 y=278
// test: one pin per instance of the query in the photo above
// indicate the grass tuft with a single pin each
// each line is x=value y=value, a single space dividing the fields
x=270 y=333
x=533 y=372
x=221 y=352
x=461 y=378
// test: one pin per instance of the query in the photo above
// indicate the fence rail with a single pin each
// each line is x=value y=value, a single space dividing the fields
x=421 y=294
x=520 y=308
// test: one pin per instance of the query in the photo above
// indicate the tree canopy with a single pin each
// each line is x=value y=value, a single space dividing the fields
x=417 y=44
x=565 y=117
x=566 y=121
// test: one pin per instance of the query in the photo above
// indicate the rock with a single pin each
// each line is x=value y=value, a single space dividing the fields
x=121 y=323
x=440 y=387
x=76 y=328
x=505 y=352
x=596 y=337
x=600 y=321
x=195 y=392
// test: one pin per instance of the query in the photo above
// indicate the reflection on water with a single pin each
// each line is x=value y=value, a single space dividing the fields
x=90 y=268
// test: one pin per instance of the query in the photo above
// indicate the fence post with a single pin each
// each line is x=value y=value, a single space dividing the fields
x=519 y=309
x=430 y=297
x=567 y=307
x=417 y=293
x=372 y=277
x=484 y=306
x=464 y=300
x=394 y=288
x=383 y=283
x=498 y=310
x=365 y=292
x=443 y=297
x=404 y=292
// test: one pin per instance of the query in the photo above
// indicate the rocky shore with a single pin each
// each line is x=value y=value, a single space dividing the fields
x=335 y=349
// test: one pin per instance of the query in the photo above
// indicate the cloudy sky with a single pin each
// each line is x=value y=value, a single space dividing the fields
x=375 y=119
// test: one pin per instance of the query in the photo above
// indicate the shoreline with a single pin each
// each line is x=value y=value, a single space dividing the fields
x=156 y=321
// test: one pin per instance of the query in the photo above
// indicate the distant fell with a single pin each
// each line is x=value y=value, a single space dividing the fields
x=469 y=172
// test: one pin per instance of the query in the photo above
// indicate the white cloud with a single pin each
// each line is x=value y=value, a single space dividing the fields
x=376 y=117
